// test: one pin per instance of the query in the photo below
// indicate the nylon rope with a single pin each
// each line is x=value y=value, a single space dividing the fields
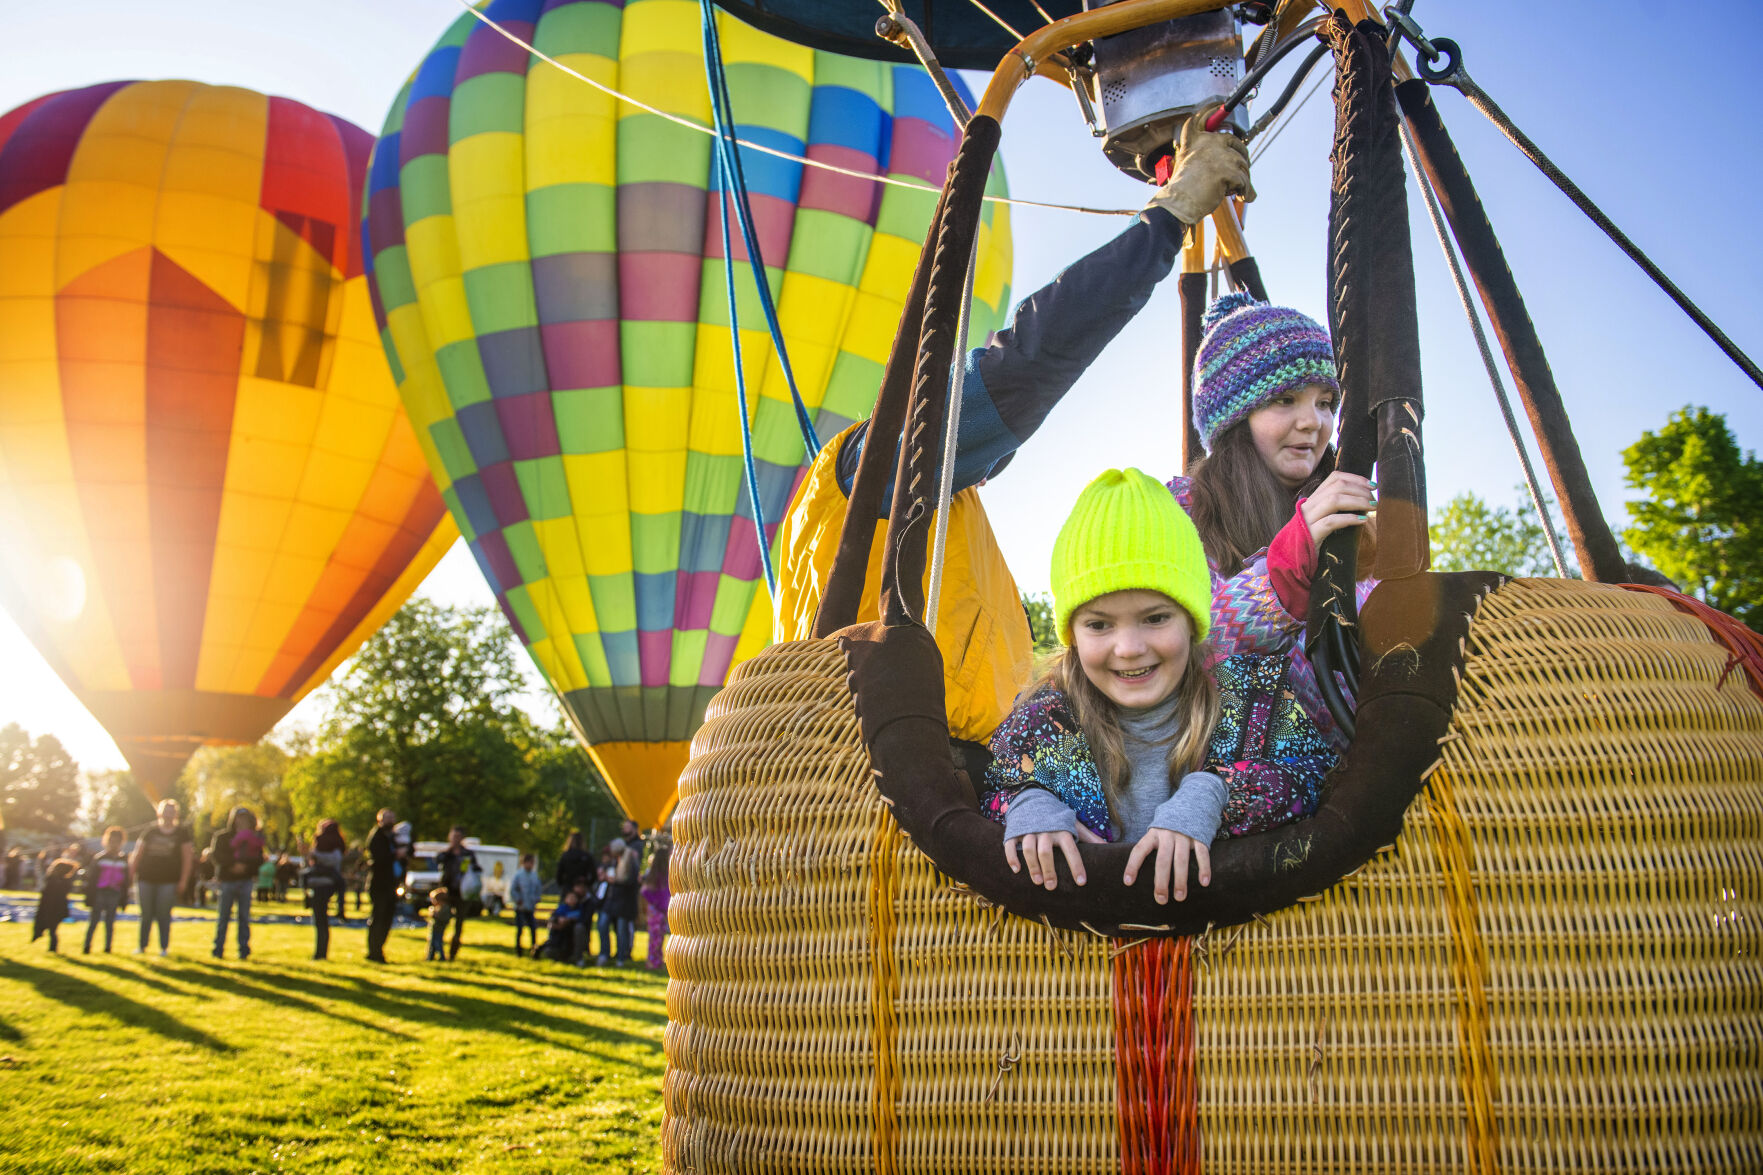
x=1487 y=355
x=734 y=334
x=776 y=152
x=734 y=177
x=951 y=442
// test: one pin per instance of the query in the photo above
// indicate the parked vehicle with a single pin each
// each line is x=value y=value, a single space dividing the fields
x=425 y=872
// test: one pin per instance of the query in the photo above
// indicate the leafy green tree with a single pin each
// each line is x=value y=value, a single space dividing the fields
x=1039 y=607
x=113 y=797
x=1470 y=534
x=39 y=782
x=219 y=779
x=1702 y=520
x=423 y=720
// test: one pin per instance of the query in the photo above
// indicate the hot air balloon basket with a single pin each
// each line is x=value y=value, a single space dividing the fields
x=1558 y=966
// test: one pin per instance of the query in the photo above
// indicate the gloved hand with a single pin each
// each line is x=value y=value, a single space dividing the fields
x=1209 y=165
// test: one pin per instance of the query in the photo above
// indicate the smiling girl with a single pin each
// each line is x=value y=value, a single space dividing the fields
x=1265 y=401
x=1121 y=739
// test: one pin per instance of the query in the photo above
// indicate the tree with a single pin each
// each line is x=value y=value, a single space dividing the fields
x=113 y=797
x=423 y=720
x=219 y=779
x=1702 y=521
x=1469 y=534
x=39 y=782
x=1039 y=607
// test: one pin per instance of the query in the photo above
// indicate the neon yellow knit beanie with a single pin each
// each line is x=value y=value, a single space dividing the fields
x=1127 y=532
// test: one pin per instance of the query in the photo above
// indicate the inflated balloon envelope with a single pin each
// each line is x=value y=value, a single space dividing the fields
x=209 y=493
x=549 y=269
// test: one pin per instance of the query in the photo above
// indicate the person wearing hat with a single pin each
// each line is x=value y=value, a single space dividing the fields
x=1009 y=386
x=1124 y=738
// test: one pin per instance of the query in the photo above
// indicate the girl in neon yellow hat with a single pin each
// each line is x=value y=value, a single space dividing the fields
x=1121 y=739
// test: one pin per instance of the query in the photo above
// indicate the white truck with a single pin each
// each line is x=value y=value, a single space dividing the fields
x=491 y=891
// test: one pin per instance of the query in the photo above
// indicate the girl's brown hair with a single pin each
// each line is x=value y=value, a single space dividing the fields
x=1236 y=502
x=1238 y=505
x=115 y=835
x=1196 y=713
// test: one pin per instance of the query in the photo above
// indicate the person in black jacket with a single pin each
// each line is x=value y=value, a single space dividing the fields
x=238 y=855
x=52 y=903
x=576 y=864
x=382 y=884
x=455 y=862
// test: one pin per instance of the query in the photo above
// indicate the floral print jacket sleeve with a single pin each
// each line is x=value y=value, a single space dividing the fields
x=1040 y=745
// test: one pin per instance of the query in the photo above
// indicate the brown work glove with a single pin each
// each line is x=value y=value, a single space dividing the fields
x=1209 y=165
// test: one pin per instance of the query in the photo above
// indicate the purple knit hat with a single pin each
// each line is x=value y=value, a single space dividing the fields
x=1251 y=353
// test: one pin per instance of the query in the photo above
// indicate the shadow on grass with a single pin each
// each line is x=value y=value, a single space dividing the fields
x=195 y=980
x=9 y=1034
x=446 y=1007
x=100 y=1001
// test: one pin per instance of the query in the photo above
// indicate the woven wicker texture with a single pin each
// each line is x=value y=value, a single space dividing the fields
x=1558 y=967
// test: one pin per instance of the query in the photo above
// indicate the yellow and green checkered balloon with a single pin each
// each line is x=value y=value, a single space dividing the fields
x=548 y=273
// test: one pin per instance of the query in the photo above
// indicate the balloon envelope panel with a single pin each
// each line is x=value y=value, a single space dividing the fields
x=549 y=271
x=209 y=491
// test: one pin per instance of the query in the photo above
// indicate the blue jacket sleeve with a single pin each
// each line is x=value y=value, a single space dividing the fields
x=1024 y=370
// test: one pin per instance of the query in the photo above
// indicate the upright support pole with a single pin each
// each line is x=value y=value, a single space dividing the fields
x=1192 y=286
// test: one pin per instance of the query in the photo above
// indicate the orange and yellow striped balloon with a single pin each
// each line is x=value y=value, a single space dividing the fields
x=209 y=492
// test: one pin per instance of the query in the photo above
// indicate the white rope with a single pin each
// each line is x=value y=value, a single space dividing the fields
x=701 y=128
x=951 y=427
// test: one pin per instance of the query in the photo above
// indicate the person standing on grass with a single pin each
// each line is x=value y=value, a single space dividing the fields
x=238 y=862
x=382 y=884
x=162 y=864
x=618 y=917
x=52 y=901
x=441 y=912
x=574 y=864
x=523 y=894
x=656 y=895
x=107 y=887
x=324 y=877
x=455 y=862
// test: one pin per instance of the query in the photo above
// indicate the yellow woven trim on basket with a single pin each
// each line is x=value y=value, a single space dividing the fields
x=884 y=889
x=1469 y=962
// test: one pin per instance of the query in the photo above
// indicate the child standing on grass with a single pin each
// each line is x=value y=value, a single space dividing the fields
x=523 y=895
x=440 y=913
x=52 y=901
x=107 y=887
x=1117 y=741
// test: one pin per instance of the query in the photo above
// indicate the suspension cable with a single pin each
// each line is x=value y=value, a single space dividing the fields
x=1487 y=356
x=1452 y=74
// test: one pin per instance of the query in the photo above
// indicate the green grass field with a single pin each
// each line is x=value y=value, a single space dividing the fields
x=133 y=1063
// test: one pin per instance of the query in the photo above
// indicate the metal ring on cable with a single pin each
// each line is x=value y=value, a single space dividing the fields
x=1432 y=71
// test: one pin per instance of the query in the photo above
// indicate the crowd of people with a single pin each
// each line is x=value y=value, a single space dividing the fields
x=604 y=891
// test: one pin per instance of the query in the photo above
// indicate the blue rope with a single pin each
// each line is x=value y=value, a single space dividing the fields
x=735 y=178
x=712 y=60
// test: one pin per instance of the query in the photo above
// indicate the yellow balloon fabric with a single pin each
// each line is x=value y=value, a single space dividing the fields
x=209 y=492
x=550 y=274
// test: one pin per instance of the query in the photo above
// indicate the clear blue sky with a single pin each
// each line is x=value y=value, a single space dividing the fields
x=1651 y=112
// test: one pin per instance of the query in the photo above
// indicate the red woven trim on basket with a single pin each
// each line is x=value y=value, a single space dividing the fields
x=1158 y=1107
x=1744 y=646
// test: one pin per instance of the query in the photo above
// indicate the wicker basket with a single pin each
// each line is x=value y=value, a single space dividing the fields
x=1557 y=967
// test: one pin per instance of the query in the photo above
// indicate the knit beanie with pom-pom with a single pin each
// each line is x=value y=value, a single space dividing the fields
x=1127 y=532
x=1252 y=352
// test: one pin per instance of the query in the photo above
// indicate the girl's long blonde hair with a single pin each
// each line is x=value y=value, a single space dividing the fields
x=1196 y=713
